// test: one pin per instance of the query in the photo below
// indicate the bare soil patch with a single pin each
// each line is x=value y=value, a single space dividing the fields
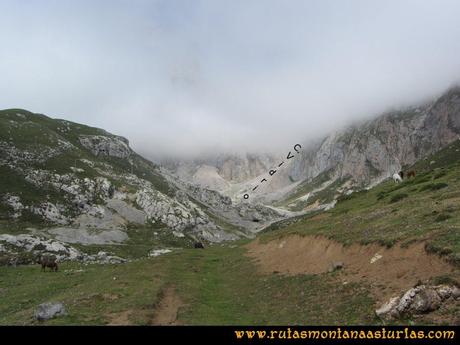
x=166 y=312
x=120 y=319
x=388 y=271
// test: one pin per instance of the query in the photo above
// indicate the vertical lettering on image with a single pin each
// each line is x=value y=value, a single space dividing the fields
x=297 y=147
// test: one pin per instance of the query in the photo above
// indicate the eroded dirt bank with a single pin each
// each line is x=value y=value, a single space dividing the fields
x=386 y=270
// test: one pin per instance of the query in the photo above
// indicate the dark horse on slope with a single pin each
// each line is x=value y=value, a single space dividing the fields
x=48 y=261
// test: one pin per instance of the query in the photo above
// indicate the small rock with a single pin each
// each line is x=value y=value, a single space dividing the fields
x=48 y=311
x=336 y=265
x=158 y=252
x=376 y=257
x=102 y=255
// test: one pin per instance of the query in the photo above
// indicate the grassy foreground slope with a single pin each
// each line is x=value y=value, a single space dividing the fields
x=215 y=286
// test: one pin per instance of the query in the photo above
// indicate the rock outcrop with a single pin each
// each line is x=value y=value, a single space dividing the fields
x=221 y=171
x=112 y=146
x=374 y=150
x=27 y=249
x=418 y=300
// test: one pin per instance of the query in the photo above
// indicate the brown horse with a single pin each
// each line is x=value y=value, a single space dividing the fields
x=411 y=174
x=50 y=262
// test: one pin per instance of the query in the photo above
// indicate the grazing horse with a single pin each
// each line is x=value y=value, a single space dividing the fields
x=411 y=174
x=198 y=245
x=50 y=262
x=401 y=173
x=397 y=178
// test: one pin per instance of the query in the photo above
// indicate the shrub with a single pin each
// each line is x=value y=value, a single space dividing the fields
x=442 y=217
x=398 y=197
x=39 y=246
x=381 y=195
x=421 y=179
x=387 y=242
x=441 y=185
x=344 y=197
x=433 y=186
x=440 y=174
x=445 y=279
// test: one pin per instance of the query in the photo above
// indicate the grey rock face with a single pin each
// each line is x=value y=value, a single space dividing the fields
x=258 y=212
x=128 y=212
x=219 y=171
x=87 y=236
x=101 y=145
x=48 y=311
x=210 y=197
x=374 y=150
x=418 y=300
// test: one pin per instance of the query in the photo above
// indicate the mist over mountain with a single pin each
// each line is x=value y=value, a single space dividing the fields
x=185 y=79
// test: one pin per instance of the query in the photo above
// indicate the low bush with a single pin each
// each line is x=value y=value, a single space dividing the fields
x=398 y=197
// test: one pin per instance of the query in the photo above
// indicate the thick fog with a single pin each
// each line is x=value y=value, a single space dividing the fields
x=188 y=77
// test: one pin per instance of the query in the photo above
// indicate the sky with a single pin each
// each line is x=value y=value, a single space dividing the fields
x=181 y=78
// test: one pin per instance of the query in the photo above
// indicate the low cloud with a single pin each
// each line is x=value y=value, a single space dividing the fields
x=191 y=77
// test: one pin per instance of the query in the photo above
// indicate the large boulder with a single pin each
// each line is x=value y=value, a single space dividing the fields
x=418 y=300
x=48 y=311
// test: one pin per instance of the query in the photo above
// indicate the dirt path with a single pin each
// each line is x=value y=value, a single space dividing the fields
x=166 y=312
x=386 y=270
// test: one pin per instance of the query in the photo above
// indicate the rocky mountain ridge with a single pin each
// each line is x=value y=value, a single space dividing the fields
x=76 y=181
x=356 y=157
